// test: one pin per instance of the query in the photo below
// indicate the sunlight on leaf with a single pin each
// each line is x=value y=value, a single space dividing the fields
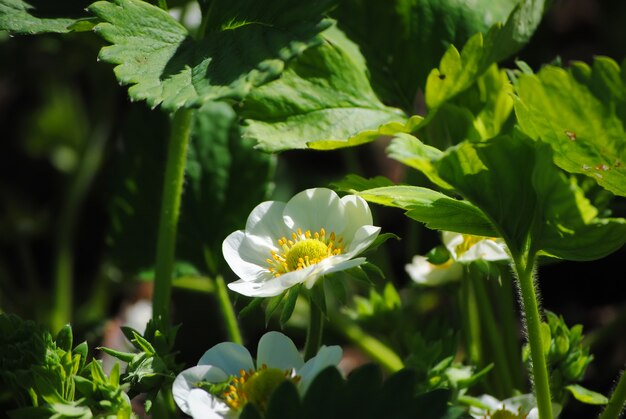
x=458 y=70
x=18 y=16
x=402 y=40
x=581 y=114
x=323 y=100
x=241 y=50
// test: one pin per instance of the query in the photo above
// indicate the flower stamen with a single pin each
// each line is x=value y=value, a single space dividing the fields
x=256 y=386
x=303 y=250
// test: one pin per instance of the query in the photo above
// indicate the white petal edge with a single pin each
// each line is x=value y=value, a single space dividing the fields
x=421 y=271
x=245 y=260
x=276 y=350
x=268 y=285
x=363 y=238
x=315 y=208
x=185 y=382
x=203 y=405
x=357 y=213
x=488 y=250
x=327 y=356
x=229 y=357
x=266 y=219
x=452 y=240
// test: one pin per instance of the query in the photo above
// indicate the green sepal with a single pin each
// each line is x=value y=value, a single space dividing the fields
x=290 y=304
x=251 y=306
x=317 y=296
x=272 y=305
x=586 y=396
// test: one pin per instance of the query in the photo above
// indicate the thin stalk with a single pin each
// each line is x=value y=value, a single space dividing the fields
x=471 y=320
x=530 y=305
x=63 y=296
x=314 y=331
x=506 y=313
x=232 y=326
x=615 y=406
x=493 y=336
x=162 y=4
x=371 y=346
x=170 y=211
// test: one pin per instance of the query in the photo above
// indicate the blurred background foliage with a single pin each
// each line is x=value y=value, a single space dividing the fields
x=80 y=181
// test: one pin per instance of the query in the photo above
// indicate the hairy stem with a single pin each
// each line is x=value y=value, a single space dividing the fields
x=525 y=269
x=170 y=211
x=616 y=403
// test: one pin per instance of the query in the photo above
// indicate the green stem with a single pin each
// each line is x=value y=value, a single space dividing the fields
x=232 y=326
x=616 y=403
x=63 y=298
x=170 y=211
x=471 y=320
x=371 y=346
x=494 y=336
x=541 y=382
x=162 y=4
x=314 y=331
x=506 y=313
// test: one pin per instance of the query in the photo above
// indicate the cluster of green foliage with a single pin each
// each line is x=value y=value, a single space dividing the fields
x=52 y=379
x=534 y=158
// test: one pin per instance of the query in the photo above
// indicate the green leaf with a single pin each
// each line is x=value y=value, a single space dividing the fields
x=246 y=45
x=353 y=183
x=412 y=152
x=324 y=395
x=581 y=113
x=37 y=16
x=324 y=101
x=284 y=402
x=402 y=40
x=529 y=200
x=458 y=71
x=122 y=356
x=584 y=395
x=64 y=338
x=225 y=179
x=484 y=110
x=435 y=209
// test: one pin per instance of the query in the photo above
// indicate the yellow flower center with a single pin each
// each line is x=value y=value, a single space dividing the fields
x=256 y=387
x=304 y=249
x=468 y=242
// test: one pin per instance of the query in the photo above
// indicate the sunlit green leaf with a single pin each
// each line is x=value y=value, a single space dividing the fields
x=402 y=40
x=37 y=16
x=459 y=70
x=246 y=45
x=581 y=113
x=529 y=200
x=435 y=209
x=323 y=100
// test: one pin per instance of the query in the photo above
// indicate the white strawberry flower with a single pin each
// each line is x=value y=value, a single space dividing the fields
x=314 y=234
